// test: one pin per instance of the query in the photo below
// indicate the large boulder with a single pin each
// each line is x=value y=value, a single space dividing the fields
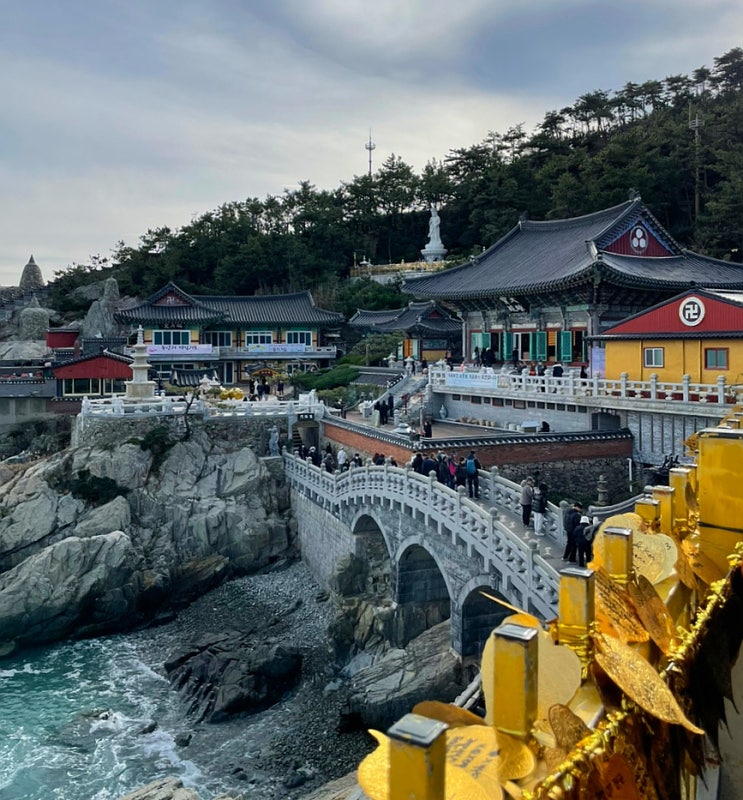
x=167 y=789
x=426 y=669
x=191 y=513
x=76 y=584
x=227 y=673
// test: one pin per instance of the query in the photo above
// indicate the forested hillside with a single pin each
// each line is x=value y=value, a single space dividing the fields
x=677 y=140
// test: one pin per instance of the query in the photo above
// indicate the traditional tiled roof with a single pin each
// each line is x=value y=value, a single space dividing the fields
x=675 y=273
x=425 y=316
x=282 y=309
x=96 y=344
x=172 y=306
x=92 y=357
x=536 y=257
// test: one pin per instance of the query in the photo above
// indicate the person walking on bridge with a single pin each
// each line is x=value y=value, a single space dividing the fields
x=471 y=466
x=527 y=496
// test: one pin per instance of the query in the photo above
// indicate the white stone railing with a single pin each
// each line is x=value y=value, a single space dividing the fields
x=490 y=382
x=120 y=406
x=527 y=577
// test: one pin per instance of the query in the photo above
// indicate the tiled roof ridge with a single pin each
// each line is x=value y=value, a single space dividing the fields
x=614 y=212
x=89 y=356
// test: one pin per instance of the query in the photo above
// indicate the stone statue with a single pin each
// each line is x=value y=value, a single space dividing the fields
x=273 y=442
x=434 y=225
x=434 y=249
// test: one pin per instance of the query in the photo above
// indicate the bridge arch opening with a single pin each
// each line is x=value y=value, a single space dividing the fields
x=479 y=616
x=371 y=546
x=421 y=593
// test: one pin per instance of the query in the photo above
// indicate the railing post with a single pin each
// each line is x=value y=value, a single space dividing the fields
x=493 y=478
x=571 y=383
x=654 y=386
x=721 y=389
x=685 y=383
x=595 y=385
x=623 y=378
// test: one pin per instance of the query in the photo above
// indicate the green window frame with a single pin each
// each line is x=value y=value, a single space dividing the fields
x=171 y=337
x=716 y=358
x=541 y=337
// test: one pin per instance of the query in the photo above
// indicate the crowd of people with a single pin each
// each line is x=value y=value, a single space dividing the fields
x=455 y=471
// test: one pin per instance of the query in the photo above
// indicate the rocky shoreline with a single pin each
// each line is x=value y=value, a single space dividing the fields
x=299 y=747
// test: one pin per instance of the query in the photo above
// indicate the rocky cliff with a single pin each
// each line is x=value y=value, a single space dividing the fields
x=100 y=537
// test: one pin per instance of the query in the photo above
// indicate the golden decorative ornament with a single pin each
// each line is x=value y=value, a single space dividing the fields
x=632 y=521
x=654 y=555
x=653 y=612
x=701 y=565
x=684 y=571
x=615 y=612
x=468 y=783
x=453 y=716
x=618 y=780
x=640 y=682
x=567 y=726
x=523 y=615
x=559 y=676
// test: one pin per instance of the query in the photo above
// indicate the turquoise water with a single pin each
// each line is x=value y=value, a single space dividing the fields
x=73 y=719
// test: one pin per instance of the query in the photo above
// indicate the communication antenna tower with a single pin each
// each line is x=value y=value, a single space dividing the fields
x=370 y=146
x=696 y=125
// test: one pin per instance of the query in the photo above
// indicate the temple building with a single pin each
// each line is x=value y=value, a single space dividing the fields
x=237 y=337
x=428 y=330
x=698 y=333
x=545 y=289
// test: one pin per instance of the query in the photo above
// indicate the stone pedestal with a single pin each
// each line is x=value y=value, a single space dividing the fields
x=431 y=254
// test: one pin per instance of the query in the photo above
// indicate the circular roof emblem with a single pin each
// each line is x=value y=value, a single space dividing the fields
x=639 y=239
x=691 y=311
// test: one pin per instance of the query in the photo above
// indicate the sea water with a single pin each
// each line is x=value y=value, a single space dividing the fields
x=95 y=719
x=89 y=720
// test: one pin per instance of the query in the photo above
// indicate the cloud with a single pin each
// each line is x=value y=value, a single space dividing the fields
x=142 y=115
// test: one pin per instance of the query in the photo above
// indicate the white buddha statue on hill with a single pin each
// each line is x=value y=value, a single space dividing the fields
x=434 y=249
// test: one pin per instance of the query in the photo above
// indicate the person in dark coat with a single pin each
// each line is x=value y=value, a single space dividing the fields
x=390 y=407
x=460 y=473
x=570 y=521
x=429 y=465
x=442 y=469
x=584 y=537
x=427 y=429
x=539 y=508
x=418 y=462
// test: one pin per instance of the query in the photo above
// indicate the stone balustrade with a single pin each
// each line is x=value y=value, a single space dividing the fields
x=528 y=578
x=167 y=405
x=487 y=381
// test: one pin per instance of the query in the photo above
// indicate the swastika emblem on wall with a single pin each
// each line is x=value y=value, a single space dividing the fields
x=691 y=311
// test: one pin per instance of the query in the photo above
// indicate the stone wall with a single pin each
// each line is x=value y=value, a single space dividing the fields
x=570 y=465
x=252 y=432
x=323 y=539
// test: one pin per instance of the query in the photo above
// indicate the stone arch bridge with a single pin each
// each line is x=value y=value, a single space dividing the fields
x=443 y=548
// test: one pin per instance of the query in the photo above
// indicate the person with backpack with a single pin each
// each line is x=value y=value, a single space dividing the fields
x=471 y=466
x=539 y=507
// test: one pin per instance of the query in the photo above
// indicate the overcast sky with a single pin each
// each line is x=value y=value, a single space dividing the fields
x=121 y=115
